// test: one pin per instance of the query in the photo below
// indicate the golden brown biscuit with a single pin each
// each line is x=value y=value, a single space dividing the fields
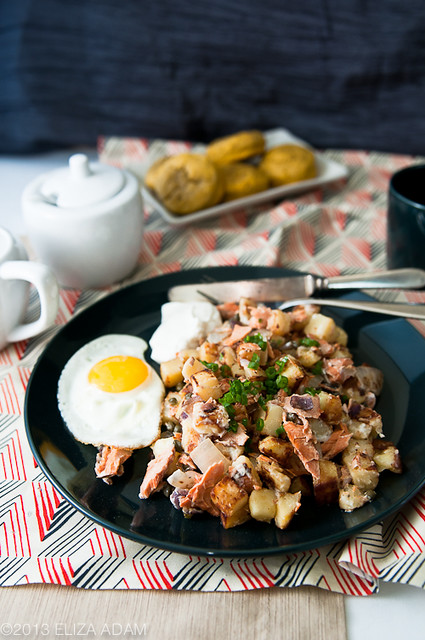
x=242 y=180
x=187 y=182
x=236 y=147
x=288 y=163
x=151 y=175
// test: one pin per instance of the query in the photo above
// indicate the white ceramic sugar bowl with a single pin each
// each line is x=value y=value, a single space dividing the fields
x=85 y=221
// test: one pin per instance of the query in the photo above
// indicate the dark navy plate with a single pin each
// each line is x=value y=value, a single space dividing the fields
x=393 y=345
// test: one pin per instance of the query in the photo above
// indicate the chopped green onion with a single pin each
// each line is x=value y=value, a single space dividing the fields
x=282 y=382
x=317 y=368
x=210 y=365
x=312 y=391
x=255 y=361
x=225 y=370
x=257 y=339
x=308 y=342
x=281 y=364
x=260 y=424
x=233 y=426
x=280 y=430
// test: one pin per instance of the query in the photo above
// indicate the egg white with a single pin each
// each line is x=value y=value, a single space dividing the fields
x=130 y=419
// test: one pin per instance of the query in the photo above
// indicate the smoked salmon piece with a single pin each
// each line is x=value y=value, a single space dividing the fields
x=110 y=462
x=156 y=472
x=304 y=443
x=199 y=495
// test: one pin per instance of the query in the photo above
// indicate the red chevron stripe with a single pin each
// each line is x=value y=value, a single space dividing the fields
x=267 y=580
x=342 y=580
x=6 y=540
x=170 y=575
x=5 y=357
x=43 y=579
x=10 y=396
x=138 y=575
x=409 y=534
x=147 y=576
x=19 y=348
x=98 y=542
x=227 y=584
x=328 y=586
x=152 y=240
x=70 y=298
x=24 y=375
x=238 y=576
x=164 y=579
x=105 y=535
x=266 y=569
x=154 y=576
x=254 y=577
x=3 y=465
x=67 y=577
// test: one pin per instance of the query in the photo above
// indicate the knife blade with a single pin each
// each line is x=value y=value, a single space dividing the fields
x=303 y=286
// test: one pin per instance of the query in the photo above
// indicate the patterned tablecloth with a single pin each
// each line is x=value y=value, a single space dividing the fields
x=340 y=228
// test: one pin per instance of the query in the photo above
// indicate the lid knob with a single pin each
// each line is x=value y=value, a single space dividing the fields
x=79 y=166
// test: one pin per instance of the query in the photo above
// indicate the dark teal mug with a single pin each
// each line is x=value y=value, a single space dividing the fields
x=406 y=218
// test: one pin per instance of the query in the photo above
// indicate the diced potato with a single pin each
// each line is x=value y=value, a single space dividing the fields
x=171 y=372
x=293 y=371
x=206 y=385
x=279 y=322
x=191 y=366
x=340 y=336
x=232 y=502
x=273 y=474
x=279 y=450
x=286 y=507
x=358 y=458
x=262 y=504
x=185 y=354
x=320 y=326
x=351 y=497
x=386 y=456
x=208 y=352
x=272 y=416
x=326 y=486
x=307 y=356
x=331 y=406
x=227 y=356
x=360 y=430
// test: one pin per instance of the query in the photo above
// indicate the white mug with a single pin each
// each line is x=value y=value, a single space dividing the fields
x=16 y=272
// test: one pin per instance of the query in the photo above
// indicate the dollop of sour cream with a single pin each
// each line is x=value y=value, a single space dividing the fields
x=184 y=325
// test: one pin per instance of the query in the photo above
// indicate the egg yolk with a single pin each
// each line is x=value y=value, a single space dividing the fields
x=118 y=374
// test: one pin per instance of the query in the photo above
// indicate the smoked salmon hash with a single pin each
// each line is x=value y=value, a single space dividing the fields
x=267 y=411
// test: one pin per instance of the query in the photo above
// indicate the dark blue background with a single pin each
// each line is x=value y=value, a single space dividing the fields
x=345 y=74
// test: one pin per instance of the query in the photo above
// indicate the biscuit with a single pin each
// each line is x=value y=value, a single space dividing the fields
x=187 y=182
x=242 y=180
x=152 y=173
x=236 y=147
x=288 y=163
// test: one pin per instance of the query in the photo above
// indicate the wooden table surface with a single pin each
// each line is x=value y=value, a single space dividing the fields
x=51 y=611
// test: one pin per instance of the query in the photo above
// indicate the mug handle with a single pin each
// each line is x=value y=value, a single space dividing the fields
x=47 y=288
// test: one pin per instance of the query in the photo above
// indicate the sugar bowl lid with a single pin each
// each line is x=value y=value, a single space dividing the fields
x=81 y=183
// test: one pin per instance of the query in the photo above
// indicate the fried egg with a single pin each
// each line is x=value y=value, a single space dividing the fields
x=109 y=395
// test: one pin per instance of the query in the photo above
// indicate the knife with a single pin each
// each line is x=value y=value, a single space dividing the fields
x=280 y=289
